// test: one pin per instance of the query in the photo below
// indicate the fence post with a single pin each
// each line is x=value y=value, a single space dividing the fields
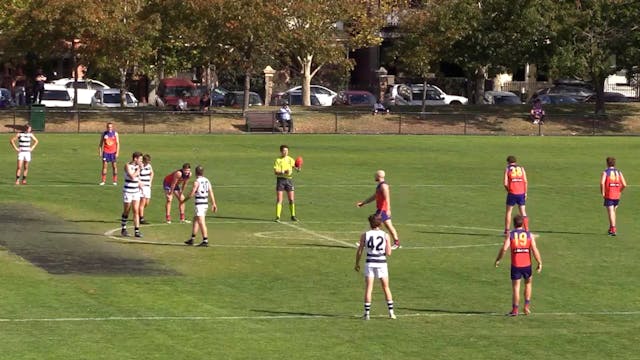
x=144 y=120
x=335 y=114
x=466 y=121
x=209 y=111
x=400 y=126
x=78 y=119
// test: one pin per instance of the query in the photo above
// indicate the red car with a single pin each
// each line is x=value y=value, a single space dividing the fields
x=171 y=89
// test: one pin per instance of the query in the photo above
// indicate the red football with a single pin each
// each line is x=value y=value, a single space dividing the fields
x=299 y=162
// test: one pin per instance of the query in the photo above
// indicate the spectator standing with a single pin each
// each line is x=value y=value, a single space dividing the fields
x=38 y=86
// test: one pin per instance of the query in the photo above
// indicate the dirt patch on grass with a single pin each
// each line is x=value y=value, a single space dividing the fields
x=60 y=247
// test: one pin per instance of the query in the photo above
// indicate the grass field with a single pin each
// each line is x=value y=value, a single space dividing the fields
x=265 y=290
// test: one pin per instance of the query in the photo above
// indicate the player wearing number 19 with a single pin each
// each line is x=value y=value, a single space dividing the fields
x=515 y=182
x=522 y=244
x=612 y=183
x=378 y=248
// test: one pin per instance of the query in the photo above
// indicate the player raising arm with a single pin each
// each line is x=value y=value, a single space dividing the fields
x=383 y=206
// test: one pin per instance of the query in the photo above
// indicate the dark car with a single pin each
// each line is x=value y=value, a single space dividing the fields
x=579 y=93
x=236 y=99
x=556 y=99
x=292 y=98
x=501 y=98
x=217 y=94
x=610 y=97
x=356 y=98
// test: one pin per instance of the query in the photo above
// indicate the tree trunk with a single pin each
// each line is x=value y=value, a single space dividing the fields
x=599 y=84
x=247 y=88
x=123 y=83
x=424 y=95
x=480 y=77
x=306 y=80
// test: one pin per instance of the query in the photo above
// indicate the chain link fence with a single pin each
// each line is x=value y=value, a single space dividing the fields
x=324 y=121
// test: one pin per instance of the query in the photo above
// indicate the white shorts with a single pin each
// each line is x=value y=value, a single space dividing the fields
x=201 y=210
x=24 y=156
x=146 y=192
x=129 y=197
x=377 y=271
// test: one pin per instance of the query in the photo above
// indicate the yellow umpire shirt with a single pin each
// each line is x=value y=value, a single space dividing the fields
x=283 y=164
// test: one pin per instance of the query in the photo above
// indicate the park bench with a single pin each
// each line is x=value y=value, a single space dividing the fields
x=261 y=121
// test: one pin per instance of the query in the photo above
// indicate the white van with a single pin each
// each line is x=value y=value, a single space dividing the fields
x=411 y=94
x=56 y=96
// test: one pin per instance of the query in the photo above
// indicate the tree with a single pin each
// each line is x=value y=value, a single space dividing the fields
x=593 y=33
x=318 y=31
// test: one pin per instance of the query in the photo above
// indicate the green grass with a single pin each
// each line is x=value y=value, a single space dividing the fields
x=272 y=291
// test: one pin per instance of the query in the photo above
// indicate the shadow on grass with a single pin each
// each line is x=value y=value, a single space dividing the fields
x=445 y=311
x=295 y=313
x=71 y=233
x=460 y=233
x=327 y=246
x=241 y=218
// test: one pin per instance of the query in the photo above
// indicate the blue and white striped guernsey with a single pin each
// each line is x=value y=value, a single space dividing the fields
x=145 y=175
x=202 y=194
x=24 y=142
x=131 y=183
x=375 y=241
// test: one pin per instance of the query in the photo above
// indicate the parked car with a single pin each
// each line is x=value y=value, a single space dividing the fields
x=111 y=98
x=217 y=94
x=236 y=99
x=610 y=97
x=5 y=98
x=171 y=89
x=555 y=99
x=56 y=96
x=86 y=88
x=501 y=98
x=579 y=93
x=356 y=98
x=411 y=94
x=325 y=96
x=294 y=98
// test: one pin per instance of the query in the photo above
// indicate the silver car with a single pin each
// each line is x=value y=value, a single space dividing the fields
x=111 y=98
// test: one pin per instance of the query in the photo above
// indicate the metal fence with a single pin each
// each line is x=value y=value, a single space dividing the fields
x=327 y=122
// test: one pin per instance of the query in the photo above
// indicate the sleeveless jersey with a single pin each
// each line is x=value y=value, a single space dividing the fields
x=109 y=143
x=381 y=201
x=520 y=244
x=375 y=243
x=202 y=194
x=515 y=179
x=131 y=183
x=169 y=178
x=145 y=174
x=24 y=142
x=612 y=183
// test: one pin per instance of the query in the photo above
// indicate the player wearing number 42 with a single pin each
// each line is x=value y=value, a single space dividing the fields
x=378 y=248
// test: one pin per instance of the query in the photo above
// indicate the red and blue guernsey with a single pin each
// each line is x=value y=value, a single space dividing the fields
x=381 y=200
x=516 y=179
x=109 y=143
x=612 y=183
x=520 y=245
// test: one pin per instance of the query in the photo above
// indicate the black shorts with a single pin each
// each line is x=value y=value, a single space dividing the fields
x=284 y=184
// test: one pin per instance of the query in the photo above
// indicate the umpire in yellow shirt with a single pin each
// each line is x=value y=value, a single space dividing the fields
x=283 y=169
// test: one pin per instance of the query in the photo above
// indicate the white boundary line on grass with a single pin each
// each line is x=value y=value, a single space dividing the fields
x=230 y=186
x=132 y=240
x=310 y=317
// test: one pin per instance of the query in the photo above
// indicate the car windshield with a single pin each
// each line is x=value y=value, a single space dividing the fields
x=59 y=95
x=357 y=99
x=506 y=100
x=178 y=90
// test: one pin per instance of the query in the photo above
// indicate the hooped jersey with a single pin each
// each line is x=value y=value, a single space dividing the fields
x=520 y=245
x=202 y=193
x=131 y=183
x=145 y=174
x=381 y=200
x=612 y=183
x=24 y=142
x=109 y=142
x=375 y=242
x=516 y=179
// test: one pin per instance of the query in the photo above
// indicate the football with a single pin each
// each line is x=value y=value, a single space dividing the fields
x=299 y=162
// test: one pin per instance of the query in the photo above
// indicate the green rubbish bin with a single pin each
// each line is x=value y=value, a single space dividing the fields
x=37 y=117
